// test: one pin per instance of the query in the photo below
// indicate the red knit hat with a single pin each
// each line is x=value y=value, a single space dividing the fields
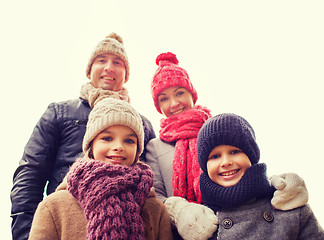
x=169 y=74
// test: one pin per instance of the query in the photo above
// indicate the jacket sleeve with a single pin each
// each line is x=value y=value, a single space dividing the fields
x=310 y=228
x=148 y=135
x=43 y=226
x=32 y=174
x=153 y=161
x=165 y=225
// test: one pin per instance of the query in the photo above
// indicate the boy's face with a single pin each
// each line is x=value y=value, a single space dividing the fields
x=108 y=72
x=174 y=100
x=116 y=145
x=226 y=165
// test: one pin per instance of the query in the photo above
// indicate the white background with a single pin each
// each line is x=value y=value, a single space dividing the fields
x=259 y=59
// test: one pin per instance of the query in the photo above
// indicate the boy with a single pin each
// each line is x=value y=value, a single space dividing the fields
x=235 y=186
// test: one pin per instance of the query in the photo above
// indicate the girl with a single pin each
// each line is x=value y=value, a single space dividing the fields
x=173 y=156
x=106 y=194
x=236 y=187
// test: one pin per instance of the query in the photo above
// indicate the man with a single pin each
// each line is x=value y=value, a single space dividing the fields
x=57 y=138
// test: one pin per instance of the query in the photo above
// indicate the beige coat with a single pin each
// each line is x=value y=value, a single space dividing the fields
x=60 y=216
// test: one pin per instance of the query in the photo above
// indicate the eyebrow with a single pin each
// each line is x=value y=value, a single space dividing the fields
x=173 y=91
x=115 y=57
x=109 y=132
x=132 y=135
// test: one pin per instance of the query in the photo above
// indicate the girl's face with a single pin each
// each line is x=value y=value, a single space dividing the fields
x=174 y=100
x=116 y=145
x=226 y=165
x=108 y=72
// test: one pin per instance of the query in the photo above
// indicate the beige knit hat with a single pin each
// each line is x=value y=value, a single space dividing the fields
x=109 y=112
x=112 y=44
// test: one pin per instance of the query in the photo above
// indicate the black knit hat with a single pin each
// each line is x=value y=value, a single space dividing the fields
x=226 y=129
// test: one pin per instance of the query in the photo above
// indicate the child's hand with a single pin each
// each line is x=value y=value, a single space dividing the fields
x=193 y=221
x=291 y=191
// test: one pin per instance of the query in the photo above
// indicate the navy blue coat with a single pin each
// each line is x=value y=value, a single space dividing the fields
x=52 y=148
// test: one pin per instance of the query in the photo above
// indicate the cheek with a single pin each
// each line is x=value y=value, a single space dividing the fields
x=98 y=150
x=121 y=72
x=133 y=150
x=245 y=164
x=189 y=101
x=95 y=70
x=164 y=108
x=212 y=168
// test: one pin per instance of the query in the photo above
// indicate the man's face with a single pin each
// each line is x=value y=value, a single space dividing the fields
x=108 y=72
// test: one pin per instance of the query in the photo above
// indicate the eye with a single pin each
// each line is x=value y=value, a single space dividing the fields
x=117 y=63
x=163 y=99
x=100 y=60
x=107 y=139
x=214 y=156
x=130 y=141
x=236 y=151
x=179 y=93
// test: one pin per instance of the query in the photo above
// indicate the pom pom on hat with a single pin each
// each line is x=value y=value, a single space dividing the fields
x=226 y=129
x=109 y=112
x=112 y=44
x=169 y=74
x=168 y=57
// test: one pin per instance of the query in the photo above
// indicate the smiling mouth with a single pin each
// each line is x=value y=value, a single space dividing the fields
x=108 y=78
x=229 y=173
x=178 y=111
x=116 y=157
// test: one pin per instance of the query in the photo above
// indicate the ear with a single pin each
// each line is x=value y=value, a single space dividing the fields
x=89 y=153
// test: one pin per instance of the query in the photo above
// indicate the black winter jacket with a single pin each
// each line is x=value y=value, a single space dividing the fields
x=52 y=148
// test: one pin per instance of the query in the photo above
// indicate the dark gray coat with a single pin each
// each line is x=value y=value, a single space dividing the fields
x=259 y=220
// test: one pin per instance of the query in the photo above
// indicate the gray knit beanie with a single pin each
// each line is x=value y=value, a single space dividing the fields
x=226 y=129
x=109 y=112
x=112 y=44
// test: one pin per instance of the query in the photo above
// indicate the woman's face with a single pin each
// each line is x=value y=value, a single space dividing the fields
x=174 y=100
x=116 y=145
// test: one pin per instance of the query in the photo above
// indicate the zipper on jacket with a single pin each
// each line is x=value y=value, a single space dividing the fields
x=79 y=122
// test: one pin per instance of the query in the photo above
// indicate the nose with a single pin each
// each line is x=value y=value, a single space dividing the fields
x=226 y=161
x=173 y=102
x=109 y=67
x=118 y=147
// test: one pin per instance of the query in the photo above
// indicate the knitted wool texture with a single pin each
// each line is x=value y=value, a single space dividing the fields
x=109 y=112
x=169 y=74
x=233 y=130
x=111 y=196
x=253 y=184
x=183 y=128
x=94 y=95
x=226 y=129
x=112 y=44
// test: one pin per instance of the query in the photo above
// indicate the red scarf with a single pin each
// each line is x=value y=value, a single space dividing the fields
x=183 y=128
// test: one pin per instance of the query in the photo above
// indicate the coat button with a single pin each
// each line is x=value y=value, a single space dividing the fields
x=227 y=223
x=268 y=216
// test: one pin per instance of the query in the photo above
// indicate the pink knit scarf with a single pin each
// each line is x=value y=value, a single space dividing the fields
x=111 y=196
x=183 y=128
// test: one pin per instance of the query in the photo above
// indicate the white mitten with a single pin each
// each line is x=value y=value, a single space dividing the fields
x=193 y=221
x=291 y=191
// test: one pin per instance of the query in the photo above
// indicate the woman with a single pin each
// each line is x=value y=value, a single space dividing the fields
x=173 y=156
